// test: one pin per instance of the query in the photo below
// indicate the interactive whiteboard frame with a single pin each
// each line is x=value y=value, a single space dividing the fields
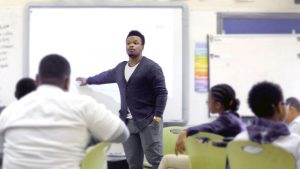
x=184 y=21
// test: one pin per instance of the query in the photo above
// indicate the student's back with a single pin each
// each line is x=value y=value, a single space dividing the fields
x=50 y=128
x=42 y=128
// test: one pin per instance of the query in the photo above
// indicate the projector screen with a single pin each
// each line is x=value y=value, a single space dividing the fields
x=93 y=39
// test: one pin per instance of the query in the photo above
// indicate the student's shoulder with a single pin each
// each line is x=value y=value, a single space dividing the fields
x=10 y=110
x=291 y=140
x=76 y=97
x=81 y=101
x=229 y=117
x=294 y=136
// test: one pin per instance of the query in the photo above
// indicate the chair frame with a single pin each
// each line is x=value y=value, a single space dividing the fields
x=202 y=152
x=95 y=157
x=265 y=156
x=170 y=135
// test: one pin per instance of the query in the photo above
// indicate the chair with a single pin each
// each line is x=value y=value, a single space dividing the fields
x=250 y=155
x=203 y=153
x=170 y=135
x=96 y=157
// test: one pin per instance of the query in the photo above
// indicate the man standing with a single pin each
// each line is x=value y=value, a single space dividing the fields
x=50 y=128
x=293 y=114
x=143 y=99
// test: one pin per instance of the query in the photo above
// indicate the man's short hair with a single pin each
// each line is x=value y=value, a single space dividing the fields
x=292 y=101
x=54 y=68
x=24 y=86
x=263 y=97
x=137 y=33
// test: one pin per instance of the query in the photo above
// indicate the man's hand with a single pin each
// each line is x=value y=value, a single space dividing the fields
x=180 y=144
x=82 y=81
x=157 y=119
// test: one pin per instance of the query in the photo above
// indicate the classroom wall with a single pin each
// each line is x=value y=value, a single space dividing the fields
x=202 y=21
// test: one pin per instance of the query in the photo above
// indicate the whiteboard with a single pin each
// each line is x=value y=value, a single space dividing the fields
x=11 y=68
x=243 y=60
x=93 y=39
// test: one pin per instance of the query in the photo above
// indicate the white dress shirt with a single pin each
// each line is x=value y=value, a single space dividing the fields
x=50 y=129
x=294 y=126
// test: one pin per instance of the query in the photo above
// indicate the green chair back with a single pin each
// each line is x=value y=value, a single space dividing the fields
x=170 y=135
x=250 y=155
x=202 y=152
x=96 y=157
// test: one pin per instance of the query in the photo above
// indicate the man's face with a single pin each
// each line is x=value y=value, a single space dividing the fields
x=134 y=46
x=282 y=110
x=212 y=104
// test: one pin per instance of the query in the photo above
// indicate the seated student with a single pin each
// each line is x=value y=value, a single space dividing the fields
x=24 y=86
x=292 y=118
x=221 y=100
x=266 y=102
x=50 y=127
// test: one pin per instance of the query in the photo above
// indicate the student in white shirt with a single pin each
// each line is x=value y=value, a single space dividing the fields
x=266 y=102
x=292 y=118
x=50 y=128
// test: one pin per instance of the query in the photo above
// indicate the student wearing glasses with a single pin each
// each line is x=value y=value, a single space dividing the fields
x=266 y=101
x=292 y=118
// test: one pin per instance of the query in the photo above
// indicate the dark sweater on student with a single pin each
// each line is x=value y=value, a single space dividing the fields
x=228 y=124
x=266 y=131
x=145 y=93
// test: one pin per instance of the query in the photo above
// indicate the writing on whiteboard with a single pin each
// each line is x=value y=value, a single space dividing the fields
x=6 y=44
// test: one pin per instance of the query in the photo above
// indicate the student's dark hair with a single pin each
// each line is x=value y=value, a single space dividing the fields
x=263 y=97
x=292 y=101
x=224 y=94
x=137 y=33
x=54 y=69
x=24 y=86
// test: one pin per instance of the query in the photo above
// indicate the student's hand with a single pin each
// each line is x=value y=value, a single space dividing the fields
x=82 y=81
x=180 y=144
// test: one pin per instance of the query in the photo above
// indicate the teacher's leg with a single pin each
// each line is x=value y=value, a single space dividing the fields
x=151 y=138
x=133 y=148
